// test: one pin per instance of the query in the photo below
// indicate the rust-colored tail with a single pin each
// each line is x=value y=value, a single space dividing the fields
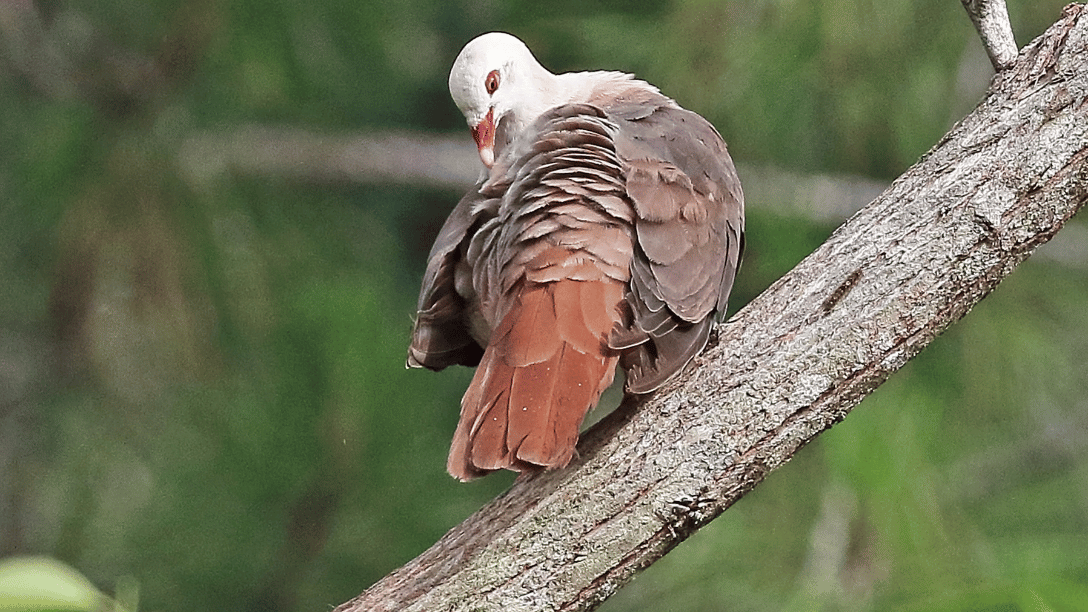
x=545 y=367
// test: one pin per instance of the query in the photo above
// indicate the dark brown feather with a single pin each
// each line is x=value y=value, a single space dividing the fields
x=543 y=371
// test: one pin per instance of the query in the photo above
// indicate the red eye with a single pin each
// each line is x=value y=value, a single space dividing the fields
x=491 y=83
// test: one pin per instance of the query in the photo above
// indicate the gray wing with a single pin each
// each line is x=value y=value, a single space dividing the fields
x=440 y=335
x=689 y=226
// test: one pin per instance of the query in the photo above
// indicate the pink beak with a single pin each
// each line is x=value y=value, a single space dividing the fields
x=484 y=135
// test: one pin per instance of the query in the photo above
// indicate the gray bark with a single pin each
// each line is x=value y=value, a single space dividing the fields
x=991 y=19
x=790 y=364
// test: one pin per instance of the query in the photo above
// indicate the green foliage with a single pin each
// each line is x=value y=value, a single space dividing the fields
x=41 y=584
x=202 y=389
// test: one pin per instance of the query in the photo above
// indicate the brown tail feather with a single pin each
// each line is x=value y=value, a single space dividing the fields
x=544 y=369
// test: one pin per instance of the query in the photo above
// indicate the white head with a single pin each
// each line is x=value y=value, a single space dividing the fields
x=496 y=79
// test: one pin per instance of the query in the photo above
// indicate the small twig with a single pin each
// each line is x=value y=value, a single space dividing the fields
x=991 y=19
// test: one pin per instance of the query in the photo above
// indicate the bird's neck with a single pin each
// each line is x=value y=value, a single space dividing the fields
x=552 y=90
x=549 y=90
x=597 y=88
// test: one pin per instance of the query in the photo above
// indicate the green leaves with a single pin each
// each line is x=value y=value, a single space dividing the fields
x=42 y=584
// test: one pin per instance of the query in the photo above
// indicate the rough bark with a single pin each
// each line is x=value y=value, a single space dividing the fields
x=789 y=365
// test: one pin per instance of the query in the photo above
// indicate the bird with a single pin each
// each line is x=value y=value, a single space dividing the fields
x=606 y=229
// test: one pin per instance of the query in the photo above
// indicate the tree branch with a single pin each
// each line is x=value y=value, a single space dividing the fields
x=792 y=363
x=991 y=19
x=450 y=162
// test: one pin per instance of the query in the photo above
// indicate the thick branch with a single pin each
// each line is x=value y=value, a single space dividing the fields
x=789 y=365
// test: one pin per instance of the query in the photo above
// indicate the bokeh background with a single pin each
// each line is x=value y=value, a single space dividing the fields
x=214 y=216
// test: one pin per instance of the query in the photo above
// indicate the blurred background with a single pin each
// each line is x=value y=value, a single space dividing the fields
x=214 y=217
